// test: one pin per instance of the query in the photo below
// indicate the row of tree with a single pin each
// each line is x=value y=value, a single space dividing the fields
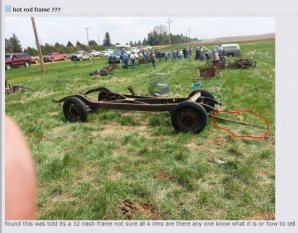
x=158 y=36
x=13 y=45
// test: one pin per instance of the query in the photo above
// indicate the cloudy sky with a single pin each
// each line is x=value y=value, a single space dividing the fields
x=125 y=29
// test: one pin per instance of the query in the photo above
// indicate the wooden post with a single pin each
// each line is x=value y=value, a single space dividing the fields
x=38 y=46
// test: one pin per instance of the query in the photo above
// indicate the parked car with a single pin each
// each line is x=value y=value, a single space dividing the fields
x=107 y=52
x=35 y=59
x=229 y=49
x=115 y=57
x=123 y=48
x=135 y=49
x=94 y=53
x=80 y=56
x=17 y=59
x=147 y=47
x=54 y=57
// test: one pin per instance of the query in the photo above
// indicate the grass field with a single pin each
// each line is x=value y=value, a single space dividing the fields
x=134 y=165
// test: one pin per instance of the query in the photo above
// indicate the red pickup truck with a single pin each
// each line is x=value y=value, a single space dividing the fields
x=54 y=57
x=17 y=59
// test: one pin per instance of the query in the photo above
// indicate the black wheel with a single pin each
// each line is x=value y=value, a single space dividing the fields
x=189 y=117
x=74 y=109
x=204 y=93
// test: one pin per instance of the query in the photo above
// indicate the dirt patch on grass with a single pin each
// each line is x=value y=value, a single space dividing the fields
x=129 y=209
x=194 y=146
x=163 y=176
x=86 y=174
x=116 y=176
x=58 y=129
x=220 y=140
x=120 y=130
x=53 y=113
x=45 y=138
x=262 y=216
x=42 y=94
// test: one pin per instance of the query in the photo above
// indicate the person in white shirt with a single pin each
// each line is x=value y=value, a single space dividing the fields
x=133 y=60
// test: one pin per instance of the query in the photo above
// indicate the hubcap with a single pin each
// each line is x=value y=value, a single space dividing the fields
x=188 y=119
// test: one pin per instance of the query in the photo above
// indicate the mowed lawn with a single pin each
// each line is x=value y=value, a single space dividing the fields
x=134 y=165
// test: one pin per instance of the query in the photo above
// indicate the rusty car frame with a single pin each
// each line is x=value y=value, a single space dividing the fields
x=189 y=114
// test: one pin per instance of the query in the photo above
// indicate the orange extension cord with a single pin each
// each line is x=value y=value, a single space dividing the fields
x=263 y=137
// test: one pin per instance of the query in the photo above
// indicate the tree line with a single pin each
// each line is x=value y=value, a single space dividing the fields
x=158 y=36
x=13 y=45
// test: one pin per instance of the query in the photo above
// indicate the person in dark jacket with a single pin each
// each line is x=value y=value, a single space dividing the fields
x=184 y=53
x=198 y=54
x=153 y=59
x=125 y=60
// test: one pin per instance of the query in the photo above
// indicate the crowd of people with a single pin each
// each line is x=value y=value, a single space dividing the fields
x=150 y=56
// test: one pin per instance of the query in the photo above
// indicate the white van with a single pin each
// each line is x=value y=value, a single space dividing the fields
x=231 y=49
x=122 y=48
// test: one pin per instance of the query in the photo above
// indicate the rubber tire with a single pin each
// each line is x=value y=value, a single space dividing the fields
x=204 y=93
x=26 y=64
x=193 y=107
x=80 y=109
x=8 y=67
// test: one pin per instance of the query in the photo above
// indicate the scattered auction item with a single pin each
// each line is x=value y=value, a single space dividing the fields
x=188 y=114
x=10 y=88
x=204 y=73
x=243 y=63
x=105 y=70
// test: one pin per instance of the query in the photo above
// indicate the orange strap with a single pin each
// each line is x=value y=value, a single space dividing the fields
x=263 y=137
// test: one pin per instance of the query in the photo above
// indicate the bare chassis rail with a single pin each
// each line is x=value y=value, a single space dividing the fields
x=137 y=103
x=187 y=114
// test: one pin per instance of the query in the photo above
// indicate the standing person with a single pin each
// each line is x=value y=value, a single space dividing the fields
x=147 y=54
x=166 y=56
x=125 y=60
x=198 y=54
x=202 y=57
x=153 y=59
x=184 y=53
x=220 y=50
x=180 y=53
x=133 y=60
x=175 y=54
x=190 y=51
x=215 y=58
x=158 y=55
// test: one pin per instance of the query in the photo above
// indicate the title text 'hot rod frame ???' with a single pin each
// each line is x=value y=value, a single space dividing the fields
x=187 y=114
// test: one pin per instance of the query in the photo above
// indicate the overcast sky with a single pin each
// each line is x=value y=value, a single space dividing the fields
x=126 y=29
